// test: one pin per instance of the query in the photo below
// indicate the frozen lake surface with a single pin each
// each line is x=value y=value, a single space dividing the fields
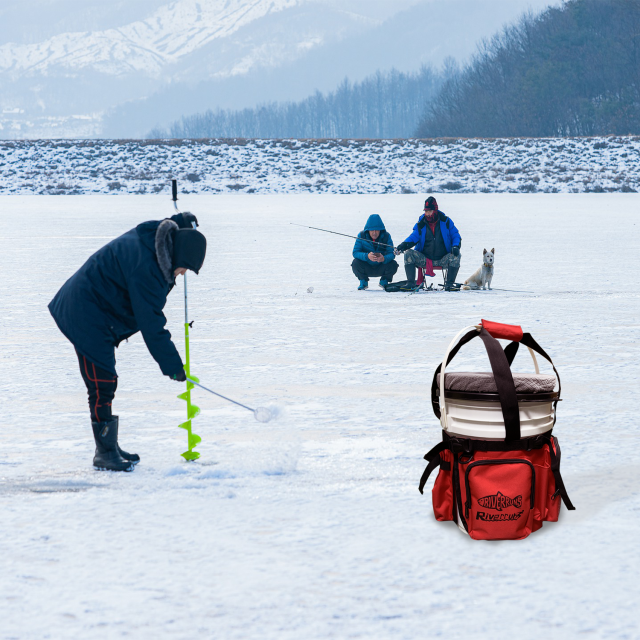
x=312 y=526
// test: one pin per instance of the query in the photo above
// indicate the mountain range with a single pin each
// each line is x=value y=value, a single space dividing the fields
x=80 y=68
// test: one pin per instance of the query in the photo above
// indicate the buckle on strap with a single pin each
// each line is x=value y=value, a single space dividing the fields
x=460 y=445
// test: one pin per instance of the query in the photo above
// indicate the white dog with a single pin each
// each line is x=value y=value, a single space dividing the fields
x=484 y=274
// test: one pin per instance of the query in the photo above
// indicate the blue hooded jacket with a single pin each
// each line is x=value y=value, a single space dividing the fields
x=365 y=245
x=450 y=234
x=120 y=290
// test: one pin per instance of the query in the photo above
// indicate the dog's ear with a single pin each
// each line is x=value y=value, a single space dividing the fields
x=484 y=251
x=493 y=250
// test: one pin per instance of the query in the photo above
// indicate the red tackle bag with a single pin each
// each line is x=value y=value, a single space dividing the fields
x=499 y=464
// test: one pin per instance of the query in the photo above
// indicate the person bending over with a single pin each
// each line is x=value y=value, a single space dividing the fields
x=437 y=244
x=120 y=290
x=373 y=255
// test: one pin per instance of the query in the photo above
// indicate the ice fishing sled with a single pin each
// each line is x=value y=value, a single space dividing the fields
x=413 y=287
x=499 y=464
x=421 y=284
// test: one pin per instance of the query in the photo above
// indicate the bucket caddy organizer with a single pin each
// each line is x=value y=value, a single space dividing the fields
x=499 y=464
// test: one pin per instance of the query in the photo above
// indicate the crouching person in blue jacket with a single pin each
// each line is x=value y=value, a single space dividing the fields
x=373 y=255
x=120 y=290
x=437 y=244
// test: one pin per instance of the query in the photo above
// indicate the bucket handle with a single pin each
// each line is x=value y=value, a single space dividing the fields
x=443 y=413
x=502 y=375
x=493 y=330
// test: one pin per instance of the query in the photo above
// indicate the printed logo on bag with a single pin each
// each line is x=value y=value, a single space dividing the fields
x=498 y=517
x=500 y=502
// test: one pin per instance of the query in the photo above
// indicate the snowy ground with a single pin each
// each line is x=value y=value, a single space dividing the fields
x=312 y=526
x=446 y=165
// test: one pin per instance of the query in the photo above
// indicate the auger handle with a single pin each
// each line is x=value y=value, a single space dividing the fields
x=244 y=406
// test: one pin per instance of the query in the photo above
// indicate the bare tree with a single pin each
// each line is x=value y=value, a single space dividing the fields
x=572 y=70
x=385 y=105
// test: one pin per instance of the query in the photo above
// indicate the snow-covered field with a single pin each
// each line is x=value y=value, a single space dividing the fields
x=448 y=165
x=312 y=526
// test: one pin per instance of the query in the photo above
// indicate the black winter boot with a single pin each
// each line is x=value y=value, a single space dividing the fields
x=410 y=270
x=452 y=274
x=107 y=455
x=132 y=457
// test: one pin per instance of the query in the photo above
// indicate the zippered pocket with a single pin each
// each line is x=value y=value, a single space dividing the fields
x=499 y=498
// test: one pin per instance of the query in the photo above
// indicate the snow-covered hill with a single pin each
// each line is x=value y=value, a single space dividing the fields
x=177 y=58
x=555 y=165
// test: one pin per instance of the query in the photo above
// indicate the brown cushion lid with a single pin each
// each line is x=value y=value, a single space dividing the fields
x=484 y=383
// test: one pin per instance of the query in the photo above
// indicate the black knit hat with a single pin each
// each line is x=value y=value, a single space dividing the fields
x=431 y=203
x=189 y=249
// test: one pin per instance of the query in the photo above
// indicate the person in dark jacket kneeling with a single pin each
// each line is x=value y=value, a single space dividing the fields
x=373 y=254
x=120 y=290
x=437 y=243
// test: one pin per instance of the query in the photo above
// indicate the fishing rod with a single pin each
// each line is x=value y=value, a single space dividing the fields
x=496 y=289
x=346 y=235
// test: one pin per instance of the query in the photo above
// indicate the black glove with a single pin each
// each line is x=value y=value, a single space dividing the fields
x=403 y=246
x=180 y=376
x=455 y=250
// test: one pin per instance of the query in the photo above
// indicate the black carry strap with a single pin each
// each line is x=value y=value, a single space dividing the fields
x=511 y=350
x=500 y=366
x=434 y=460
x=467 y=446
x=554 y=450
x=506 y=386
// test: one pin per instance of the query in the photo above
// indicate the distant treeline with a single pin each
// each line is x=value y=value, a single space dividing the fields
x=385 y=105
x=571 y=71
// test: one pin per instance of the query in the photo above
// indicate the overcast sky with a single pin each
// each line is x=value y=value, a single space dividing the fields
x=30 y=21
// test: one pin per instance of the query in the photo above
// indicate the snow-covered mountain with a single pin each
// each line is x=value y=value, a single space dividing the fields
x=168 y=35
x=162 y=60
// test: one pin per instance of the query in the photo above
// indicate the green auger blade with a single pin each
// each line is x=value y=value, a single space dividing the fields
x=194 y=440
x=184 y=396
x=190 y=455
x=193 y=411
x=186 y=425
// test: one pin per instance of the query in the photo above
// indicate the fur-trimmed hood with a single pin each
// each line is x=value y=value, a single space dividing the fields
x=164 y=248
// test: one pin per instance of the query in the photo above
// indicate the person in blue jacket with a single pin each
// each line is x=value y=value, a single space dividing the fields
x=120 y=290
x=373 y=254
x=437 y=243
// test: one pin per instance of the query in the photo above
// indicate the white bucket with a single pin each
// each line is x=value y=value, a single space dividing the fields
x=476 y=419
x=483 y=419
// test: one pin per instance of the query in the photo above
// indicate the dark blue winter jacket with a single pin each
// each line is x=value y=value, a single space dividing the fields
x=450 y=234
x=365 y=245
x=120 y=290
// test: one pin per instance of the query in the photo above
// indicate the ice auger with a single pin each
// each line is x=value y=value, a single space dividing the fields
x=192 y=410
